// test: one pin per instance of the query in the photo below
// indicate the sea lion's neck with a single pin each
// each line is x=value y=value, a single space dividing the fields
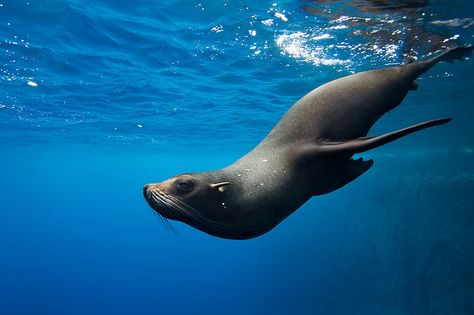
x=264 y=188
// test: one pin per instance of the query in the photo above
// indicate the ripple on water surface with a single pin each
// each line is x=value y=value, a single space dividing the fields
x=177 y=72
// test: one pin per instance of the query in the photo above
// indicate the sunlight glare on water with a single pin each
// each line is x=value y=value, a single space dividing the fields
x=103 y=68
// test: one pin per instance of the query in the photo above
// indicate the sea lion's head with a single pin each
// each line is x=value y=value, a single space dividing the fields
x=201 y=200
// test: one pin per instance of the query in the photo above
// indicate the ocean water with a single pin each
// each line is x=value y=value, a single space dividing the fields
x=98 y=98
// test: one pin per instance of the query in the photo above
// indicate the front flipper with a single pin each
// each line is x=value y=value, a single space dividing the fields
x=359 y=145
x=340 y=173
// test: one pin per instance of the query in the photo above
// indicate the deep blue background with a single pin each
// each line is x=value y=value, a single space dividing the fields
x=98 y=98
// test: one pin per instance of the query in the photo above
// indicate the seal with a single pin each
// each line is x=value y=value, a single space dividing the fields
x=308 y=153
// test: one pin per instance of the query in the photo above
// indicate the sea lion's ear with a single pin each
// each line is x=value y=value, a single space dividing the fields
x=220 y=186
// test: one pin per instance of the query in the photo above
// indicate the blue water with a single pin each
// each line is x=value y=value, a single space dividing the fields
x=98 y=98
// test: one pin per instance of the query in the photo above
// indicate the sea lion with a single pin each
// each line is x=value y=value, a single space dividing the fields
x=307 y=153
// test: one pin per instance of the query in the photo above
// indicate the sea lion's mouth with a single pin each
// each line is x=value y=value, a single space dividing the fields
x=160 y=203
x=173 y=208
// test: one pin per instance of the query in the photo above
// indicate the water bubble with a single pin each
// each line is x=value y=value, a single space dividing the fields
x=281 y=16
x=268 y=22
x=217 y=29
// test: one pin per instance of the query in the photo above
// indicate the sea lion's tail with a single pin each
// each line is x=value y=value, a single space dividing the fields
x=450 y=55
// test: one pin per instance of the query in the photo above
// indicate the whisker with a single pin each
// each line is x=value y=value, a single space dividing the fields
x=170 y=226
x=170 y=203
x=164 y=220
x=159 y=217
x=190 y=210
x=183 y=208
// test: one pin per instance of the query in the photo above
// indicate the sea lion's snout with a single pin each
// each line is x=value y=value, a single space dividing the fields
x=156 y=198
x=149 y=194
x=145 y=189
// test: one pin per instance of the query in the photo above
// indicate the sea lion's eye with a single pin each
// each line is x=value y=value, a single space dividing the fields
x=184 y=186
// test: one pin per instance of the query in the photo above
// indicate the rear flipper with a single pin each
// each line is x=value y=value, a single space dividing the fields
x=338 y=154
x=450 y=55
x=349 y=147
